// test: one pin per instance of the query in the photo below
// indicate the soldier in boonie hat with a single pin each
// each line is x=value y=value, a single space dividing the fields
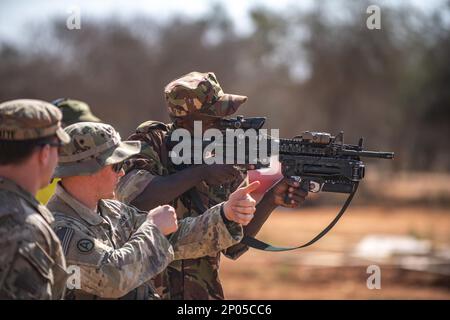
x=74 y=111
x=93 y=146
x=200 y=93
x=86 y=211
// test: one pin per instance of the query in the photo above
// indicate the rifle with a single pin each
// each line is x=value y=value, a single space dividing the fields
x=320 y=162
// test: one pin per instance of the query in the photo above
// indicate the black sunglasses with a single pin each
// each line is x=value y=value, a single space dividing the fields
x=117 y=167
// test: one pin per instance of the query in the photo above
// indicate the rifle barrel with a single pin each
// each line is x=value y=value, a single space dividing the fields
x=369 y=154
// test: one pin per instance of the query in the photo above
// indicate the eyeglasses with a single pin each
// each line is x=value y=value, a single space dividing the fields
x=117 y=167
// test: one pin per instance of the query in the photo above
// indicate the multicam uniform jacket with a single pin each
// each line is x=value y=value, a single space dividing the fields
x=194 y=278
x=32 y=264
x=118 y=250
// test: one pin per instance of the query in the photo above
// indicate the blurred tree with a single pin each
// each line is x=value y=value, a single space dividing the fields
x=319 y=69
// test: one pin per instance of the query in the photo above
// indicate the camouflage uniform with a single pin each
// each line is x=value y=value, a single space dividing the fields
x=32 y=264
x=73 y=111
x=192 y=93
x=117 y=249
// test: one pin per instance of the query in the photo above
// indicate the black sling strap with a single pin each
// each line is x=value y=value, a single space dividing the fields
x=260 y=245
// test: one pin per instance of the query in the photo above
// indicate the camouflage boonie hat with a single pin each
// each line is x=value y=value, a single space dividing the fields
x=93 y=146
x=27 y=119
x=198 y=92
x=74 y=111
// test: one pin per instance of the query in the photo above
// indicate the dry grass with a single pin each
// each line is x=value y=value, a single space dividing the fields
x=315 y=272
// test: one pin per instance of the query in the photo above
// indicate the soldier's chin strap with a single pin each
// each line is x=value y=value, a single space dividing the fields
x=260 y=245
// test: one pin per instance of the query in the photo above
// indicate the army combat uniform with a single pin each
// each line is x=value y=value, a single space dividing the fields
x=194 y=92
x=32 y=264
x=116 y=248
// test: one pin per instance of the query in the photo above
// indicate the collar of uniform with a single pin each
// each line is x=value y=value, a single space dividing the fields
x=11 y=186
x=88 y=215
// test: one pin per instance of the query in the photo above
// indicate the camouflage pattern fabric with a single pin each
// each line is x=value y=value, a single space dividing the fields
x=189 y=278
x=123 y=263
x=93 y=146
x=74 y=111
x=27 y=119
x=116 y=248
x=32 y=264
x=198 y=92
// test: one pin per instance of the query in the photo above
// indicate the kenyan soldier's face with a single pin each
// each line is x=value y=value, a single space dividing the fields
x=106 y=180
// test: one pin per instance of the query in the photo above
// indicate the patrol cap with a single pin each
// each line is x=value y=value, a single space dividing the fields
x=27 y=119
x=92 y=147
x=198 y=92
x=74 y=111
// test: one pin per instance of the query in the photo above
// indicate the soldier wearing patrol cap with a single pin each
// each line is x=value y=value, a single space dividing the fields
x=152 y=179
x=32 y=265
x=117 y=247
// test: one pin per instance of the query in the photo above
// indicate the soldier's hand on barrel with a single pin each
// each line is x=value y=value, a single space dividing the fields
x=240 y=206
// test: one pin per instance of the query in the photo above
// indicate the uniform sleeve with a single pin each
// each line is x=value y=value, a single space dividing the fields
x=113 y=272
x=234 y=252
x=26 y=264
x=133 y=184
x=204 y=235
x=140 y=170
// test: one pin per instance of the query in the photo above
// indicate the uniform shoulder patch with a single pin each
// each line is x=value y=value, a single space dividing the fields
x=85 y=245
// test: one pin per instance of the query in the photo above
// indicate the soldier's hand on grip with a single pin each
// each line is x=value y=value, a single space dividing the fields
x=165 y=219
x=240 y=206
x=287 y=193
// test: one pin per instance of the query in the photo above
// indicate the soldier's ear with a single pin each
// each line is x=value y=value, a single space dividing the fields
x=43 y=154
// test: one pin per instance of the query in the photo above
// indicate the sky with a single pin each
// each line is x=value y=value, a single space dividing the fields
x=15 y=14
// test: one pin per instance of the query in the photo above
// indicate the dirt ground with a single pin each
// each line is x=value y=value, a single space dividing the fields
x=327 y=269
